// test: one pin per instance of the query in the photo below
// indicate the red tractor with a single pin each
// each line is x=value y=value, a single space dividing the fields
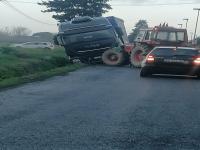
x=146 y=40
x=162 y=35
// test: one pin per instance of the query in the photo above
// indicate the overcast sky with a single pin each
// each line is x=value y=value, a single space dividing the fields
x=129 y=10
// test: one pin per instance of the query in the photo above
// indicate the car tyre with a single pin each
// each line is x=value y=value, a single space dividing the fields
x=198 y=76
x=144 y=73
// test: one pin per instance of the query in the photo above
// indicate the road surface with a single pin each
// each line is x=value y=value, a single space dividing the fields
x=102 y=108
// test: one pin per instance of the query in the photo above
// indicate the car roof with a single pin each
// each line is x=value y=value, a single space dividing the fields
x=189 y=48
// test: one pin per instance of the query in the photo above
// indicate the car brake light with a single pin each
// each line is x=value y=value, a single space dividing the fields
x=197 y=61
x=150 y=59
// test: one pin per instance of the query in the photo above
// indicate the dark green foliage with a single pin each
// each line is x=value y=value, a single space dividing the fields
x=7 y=50
x=141 y=24
x=69 y=9
x=38 y=76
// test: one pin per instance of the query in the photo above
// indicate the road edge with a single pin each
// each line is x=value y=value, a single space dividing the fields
x=16 y=81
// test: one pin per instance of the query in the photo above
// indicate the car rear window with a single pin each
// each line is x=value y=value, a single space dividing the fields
x=191 y=52
x=163 y=52
x=173 y=51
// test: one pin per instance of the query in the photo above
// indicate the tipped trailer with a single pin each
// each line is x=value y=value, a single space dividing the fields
x=87 y=38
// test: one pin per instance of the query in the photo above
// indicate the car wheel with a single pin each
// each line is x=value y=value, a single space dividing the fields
x=198 y=76
x=144 y=73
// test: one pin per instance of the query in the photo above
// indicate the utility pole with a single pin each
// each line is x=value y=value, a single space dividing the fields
x=191 y=33
x=180 y=25
x=186 y=25
x=195 y=32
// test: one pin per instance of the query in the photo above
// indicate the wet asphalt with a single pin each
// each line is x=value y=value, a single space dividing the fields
x=102 y=108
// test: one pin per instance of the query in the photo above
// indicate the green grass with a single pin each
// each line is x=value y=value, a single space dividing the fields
x=4 y=44
x=10 y=82
x=24 y=65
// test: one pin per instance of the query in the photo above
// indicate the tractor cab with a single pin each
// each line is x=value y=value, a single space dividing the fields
x=170 y=36
x=163 y=36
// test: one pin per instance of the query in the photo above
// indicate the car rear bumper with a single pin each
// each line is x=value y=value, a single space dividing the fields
x=177 y=70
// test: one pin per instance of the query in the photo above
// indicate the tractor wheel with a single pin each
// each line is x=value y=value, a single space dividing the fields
x=137 y=55
x=113 y=58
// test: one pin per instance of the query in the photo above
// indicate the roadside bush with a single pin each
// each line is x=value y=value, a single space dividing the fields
x=16 y=62
x=7 y=50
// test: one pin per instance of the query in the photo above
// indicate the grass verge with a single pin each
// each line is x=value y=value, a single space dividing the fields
x=18 y=65
x=14 y=81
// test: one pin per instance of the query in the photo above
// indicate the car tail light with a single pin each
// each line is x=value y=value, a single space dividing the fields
x=150 y=59
x=197 y=60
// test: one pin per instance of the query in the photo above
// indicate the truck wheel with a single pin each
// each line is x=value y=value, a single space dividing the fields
x=137 y=57
x=113 y=58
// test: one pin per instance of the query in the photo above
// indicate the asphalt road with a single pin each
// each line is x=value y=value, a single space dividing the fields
x=102 y=108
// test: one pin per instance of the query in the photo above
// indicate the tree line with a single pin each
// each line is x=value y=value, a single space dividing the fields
x=15 y=31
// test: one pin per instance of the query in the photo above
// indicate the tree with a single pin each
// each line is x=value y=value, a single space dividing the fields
x=20 y=31
x=69 y=9
x=5 y=31
x=141 y=24
x=15 y=31
x=43 y=34
x=198 y=41
x=46 y=36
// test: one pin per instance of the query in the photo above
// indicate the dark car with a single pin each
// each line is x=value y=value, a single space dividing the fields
x=172 y=60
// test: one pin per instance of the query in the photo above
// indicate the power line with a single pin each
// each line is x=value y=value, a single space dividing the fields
x=5 y=2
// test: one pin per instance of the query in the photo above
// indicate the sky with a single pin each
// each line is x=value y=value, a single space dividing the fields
x=129 y=10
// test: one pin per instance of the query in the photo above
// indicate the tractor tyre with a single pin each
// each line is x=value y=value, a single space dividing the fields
x=137 y=56
x=113 y=58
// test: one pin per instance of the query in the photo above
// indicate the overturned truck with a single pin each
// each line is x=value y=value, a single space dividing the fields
x=87 y=38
